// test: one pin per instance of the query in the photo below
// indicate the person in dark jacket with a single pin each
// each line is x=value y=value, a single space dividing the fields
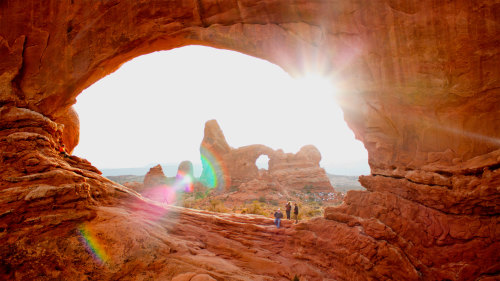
x=296 y=212
x=288 y=209
x=278 y=215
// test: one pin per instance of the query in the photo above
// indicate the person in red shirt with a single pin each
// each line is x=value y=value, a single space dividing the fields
x=288 y=209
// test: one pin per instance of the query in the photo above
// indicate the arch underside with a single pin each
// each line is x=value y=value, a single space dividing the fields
x=420 y=88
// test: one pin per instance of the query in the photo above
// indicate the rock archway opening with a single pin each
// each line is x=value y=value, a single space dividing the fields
x=262 y=162
x=153 y=109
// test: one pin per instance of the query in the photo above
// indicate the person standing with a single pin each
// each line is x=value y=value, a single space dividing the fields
x=296 y=212
x=288 y=209
x=278 y=215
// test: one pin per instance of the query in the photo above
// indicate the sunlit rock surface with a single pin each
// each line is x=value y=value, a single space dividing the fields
x=235 y=179
x=155 y=177
x=225 y=167
x=419 y=85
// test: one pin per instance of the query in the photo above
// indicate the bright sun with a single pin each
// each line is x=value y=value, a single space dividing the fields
x=317 y=84
x=153 y=110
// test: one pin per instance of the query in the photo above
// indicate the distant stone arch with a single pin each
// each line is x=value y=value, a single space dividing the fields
x=262 y=162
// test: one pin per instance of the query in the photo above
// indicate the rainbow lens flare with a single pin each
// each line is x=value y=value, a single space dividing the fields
x=92 y=244
x=214 y=174
x=184 y=182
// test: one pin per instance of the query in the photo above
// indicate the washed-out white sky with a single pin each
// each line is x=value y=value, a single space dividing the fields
x=153 y=110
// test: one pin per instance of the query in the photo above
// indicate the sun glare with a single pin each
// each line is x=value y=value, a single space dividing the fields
x=153 y=109
x=316 y=83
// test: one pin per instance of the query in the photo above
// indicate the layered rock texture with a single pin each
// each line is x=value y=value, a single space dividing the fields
x=419 y=86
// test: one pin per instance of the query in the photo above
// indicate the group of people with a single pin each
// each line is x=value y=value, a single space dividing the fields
x=278 y=215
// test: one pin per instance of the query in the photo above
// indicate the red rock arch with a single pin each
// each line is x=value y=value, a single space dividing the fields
x=421 y=82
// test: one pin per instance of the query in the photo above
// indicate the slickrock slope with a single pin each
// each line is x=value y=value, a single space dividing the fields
x=419 y=86
x=135 y=240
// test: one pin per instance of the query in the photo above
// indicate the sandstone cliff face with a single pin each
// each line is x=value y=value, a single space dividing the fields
x=420 y=87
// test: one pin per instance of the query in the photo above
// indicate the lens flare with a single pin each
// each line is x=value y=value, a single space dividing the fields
x=92 y=244
x=162 y=193
x=214 y=174
x=208 y=176
x=184 y=182
x=316 y=84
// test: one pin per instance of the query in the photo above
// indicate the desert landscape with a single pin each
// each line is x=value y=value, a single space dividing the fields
x=420 y=89
x=239 y=186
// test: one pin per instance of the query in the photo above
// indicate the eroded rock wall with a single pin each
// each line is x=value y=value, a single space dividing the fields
x=419 y=86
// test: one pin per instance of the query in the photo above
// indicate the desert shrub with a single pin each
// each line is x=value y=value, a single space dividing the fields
x=307 y=211
x=217 y=206
x=262 y=199
x=256 y=208
x=188 y=202
x=313 y=213
x=295 y=278
x=200 y=195
x=274 y=202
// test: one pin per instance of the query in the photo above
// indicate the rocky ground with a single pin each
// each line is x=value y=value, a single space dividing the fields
x=260 y=196
x=121 y=235
x=126 y=178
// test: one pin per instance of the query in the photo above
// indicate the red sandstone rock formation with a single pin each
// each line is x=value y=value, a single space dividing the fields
x=295 y=171
x=155 y=177
x=186 y=168
x=420 y=87
x=71 y=130
x=286 y=170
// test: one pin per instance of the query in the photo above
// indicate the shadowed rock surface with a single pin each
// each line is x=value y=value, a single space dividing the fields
x=419 y=87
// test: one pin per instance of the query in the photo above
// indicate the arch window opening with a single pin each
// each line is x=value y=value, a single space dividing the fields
x=262 y=162
x=153 y=110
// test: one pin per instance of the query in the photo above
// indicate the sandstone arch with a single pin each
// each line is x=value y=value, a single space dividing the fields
x=421 y=91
